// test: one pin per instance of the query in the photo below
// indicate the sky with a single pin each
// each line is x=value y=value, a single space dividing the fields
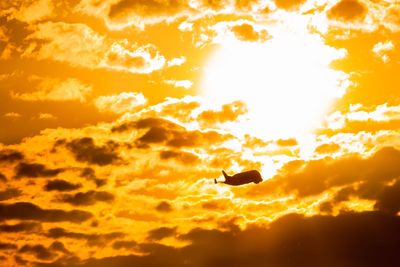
x=116 y=116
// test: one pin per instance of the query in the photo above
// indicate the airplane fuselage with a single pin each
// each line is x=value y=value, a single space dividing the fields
x=242 y=178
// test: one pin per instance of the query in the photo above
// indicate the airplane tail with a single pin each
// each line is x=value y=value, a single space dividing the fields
x=225 y=175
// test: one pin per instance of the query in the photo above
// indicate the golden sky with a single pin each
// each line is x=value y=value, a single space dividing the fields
x=116 y=116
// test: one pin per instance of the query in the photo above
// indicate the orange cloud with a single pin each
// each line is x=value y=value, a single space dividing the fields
x=49 y=89
x=121 y=103
x=79 y=45
x=289 y=4
x=348 y=10
x=246 y=32
x=29 y=11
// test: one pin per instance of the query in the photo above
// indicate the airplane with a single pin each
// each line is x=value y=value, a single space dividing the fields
x=242 y=178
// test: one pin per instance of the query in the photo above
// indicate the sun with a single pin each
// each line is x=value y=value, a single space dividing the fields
x=286 y=82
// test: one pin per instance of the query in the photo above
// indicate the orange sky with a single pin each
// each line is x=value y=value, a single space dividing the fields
x=116 y=117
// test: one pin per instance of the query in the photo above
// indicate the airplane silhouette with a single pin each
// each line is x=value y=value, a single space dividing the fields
x=242 y=178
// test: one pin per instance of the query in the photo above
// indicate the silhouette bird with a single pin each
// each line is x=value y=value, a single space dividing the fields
x=242 y=178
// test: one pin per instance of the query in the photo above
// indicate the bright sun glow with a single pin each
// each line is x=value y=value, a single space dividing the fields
x=286 y=81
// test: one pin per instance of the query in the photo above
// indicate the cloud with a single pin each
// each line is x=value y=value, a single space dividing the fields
x=79 y=45
x=289 y=4
x=34 y=170
x=316 y=176
x=46 y=116
x=327 y=148
x=60 y=185
x=13 y=115
x=121 y=103
x=91 y=239
x=179 y=138
x=228 y=113
x=391 y=19
x=29 y=211
x=10 y=156
x=7 y=246
x=124 y=56
x=85 y=150
x=121 y=14
x=292 y=239
x=20 y=227
x=30 y=11
x=381 y=50
x=41 y=252
x=287 y=142
x=3 y=178
x=186 y=84
x=160 y=131
x=76 y=44
x=49 y=89
x=360 y=118
x=87 y=198
x=184 y=157
x=90 y=174
x=9 y=193
x=246 y=32
x=164 y=206
x=127 y=13
x=123 y=244
x=178 y=61
x=161 y=233
x=348 y=10
x=388 y=200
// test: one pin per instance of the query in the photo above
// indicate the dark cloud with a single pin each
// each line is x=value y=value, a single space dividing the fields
x=182 y=156
x=161 y=131
x=10 y=156
x=349 y=239
x=389 y=199
x=34 y=170
x=90 y=174
x=3 y=178
x=39 y=251
x=9 y=193
x=29 y=211
x=347 y=10
x=154 y=135
x=164 y=206
x=289 y=4
x=60 y=185
x=123 y=244
x=100 y=182
x=386 y=197
x=87 y=198
x=314 y=177
x=146 y=123
x=161 y=233
x=7 y=246
x=20 y=227
x=45 y=253
x=91 y=239
x=59 y=246
x=85 y=150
